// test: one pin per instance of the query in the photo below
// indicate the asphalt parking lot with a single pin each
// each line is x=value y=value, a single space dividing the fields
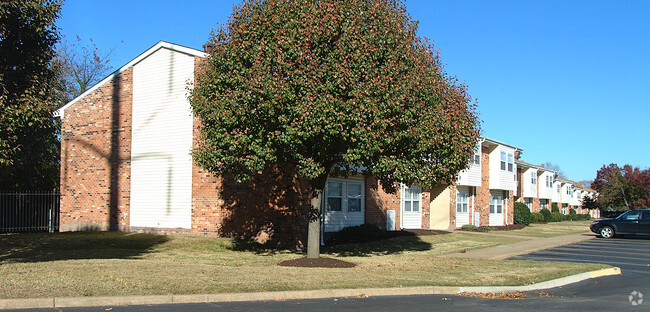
x=631 y=254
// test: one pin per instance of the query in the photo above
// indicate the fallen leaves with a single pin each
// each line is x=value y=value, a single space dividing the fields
x=517 y=295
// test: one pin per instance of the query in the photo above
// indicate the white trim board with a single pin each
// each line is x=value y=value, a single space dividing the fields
x=161 y=44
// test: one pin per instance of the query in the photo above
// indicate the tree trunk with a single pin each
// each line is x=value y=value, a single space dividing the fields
x=313 y=230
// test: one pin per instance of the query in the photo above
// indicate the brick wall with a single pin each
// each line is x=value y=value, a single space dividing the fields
x=378 y=202
x=482 y=197
x=96 y=158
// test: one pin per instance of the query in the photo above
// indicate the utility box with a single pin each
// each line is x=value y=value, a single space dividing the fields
x=390 y=220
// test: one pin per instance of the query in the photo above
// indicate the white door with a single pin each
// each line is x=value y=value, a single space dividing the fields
x=496 y=208
x=412 y=207
x=462 y=207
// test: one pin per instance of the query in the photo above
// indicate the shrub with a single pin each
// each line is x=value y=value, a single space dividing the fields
x=554 y=208
x=469 y=227
x=557 y=217
x=572 y=211
x=546 y=214
x=522 y=213
x=536 y=217
x=358 y=234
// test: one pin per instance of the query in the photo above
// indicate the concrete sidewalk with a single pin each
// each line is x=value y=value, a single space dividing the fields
x=531 y=244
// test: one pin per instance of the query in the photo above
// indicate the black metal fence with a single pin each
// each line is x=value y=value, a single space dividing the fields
x=29 y=212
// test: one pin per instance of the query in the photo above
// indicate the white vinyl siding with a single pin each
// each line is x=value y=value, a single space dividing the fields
x=546 y=188
x=343 y=202
x=472 y=175
x=161 y=165
x=502 y=179
x=529 y=183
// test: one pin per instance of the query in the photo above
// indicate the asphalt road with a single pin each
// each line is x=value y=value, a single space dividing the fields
x=611 y=293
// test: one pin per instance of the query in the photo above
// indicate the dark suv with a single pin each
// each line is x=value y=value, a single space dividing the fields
x=634 y=222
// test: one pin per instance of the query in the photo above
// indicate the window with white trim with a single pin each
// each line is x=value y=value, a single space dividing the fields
x=462 y=201
x=511 y=165
x=344 y=196
x=477 y=156
x=412 y=197
x=496 y=203
x=543 y=204
x=533 y=177
x=503 y=160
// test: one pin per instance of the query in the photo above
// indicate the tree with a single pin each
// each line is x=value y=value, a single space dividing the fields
x=326 y=88
x=28 y=144
x=590 y=203
x=79 y=65
x=554 y=167
x=622 y=188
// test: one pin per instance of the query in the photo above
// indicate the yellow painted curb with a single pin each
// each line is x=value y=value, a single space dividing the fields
x=605 y=272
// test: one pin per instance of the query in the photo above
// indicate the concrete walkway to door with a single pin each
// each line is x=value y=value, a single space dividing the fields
x=530 y=244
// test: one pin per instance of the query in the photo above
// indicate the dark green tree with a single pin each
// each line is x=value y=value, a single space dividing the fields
x=326 y=88
x=28 y=141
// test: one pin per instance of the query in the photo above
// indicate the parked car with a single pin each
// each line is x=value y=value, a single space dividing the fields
x=633 y=222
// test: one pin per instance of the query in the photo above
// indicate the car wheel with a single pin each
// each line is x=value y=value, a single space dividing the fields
x=607 y=232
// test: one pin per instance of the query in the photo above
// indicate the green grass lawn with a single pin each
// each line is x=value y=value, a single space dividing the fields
x=109 y=264
x=552 y=229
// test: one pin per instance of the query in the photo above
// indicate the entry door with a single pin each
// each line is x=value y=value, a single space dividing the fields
x=412 y=208
x=462 y=207
x=496 y=208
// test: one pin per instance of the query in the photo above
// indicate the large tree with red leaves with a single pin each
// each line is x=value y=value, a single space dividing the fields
x=622 y=188
x=329 y=87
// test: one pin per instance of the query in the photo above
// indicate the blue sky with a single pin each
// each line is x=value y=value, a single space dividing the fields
x=567 y=81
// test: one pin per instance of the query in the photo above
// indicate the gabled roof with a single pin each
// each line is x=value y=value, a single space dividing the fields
x=160 y=45
x=484 y=139
x=529 y=165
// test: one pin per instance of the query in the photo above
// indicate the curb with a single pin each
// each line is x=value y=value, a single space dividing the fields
x=68 y=302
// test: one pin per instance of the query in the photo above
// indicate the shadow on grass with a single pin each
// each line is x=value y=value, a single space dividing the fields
x=260 y=249
x=42 y=247
x=398 y=244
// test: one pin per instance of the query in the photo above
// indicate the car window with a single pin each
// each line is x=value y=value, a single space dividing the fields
x=645 y=216
x=632 y=216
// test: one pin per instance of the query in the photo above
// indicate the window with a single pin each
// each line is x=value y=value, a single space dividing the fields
x=412 y=198
x=344 y=196
x=510 y=162
x=549 y=181
x=632 y=216
x=503 y=160
x=462 y=201
x=334 y=196
x=533 y=177
x=354 y=196
x=558 y=188
x=543 y=204
x=529 y=203
x=477 y=156
x=496 y=203
x=646 y=216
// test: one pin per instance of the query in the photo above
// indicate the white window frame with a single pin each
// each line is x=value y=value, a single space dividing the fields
x=496 y=202
x=533 y=177
x=503 y=161
x=413 y=199
x=345 y=196
x=462 y=201
x=511 y=165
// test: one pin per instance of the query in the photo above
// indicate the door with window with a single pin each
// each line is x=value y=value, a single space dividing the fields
x=462 y=206
x=411 y=207
x=496 y=208
x=343 y=204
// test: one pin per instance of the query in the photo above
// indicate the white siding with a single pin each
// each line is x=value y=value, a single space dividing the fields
x=161 y=165
x=566 y=198
x=502 y=179
x=545 y=191
x=529 y=189
x=470 y=176
x=557 y=196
